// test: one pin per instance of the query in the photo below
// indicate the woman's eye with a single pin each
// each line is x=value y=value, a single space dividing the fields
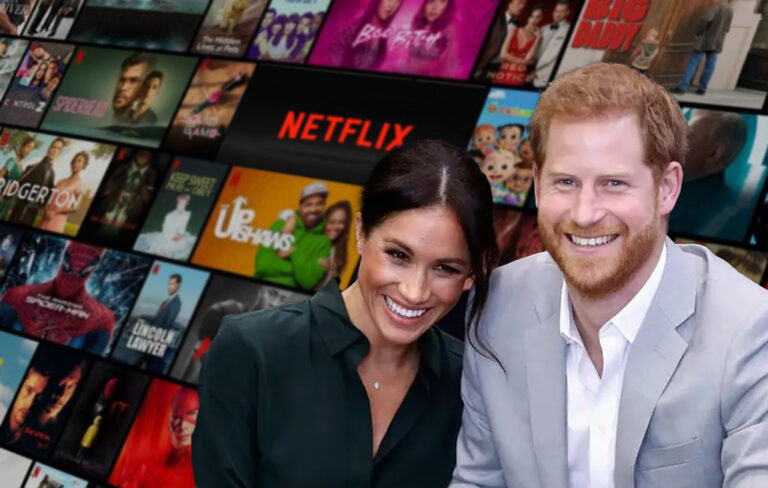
x=399 y=255
x=446 y=269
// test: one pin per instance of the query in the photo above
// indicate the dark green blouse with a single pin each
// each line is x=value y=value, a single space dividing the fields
x=282 y=405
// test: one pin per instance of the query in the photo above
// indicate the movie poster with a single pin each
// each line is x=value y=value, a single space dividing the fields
x=208 y=107
x=698 y=50
x=16 y=16
x=100 y=420
x=53 y=19
x=228 y=27
x=326 y=131
x=49 y=181
x=167 y=25
x=15 y=354
x=288 y=230
x=160 y=317
x=11 y=52
x=288 y=30
x=224 y=296
x=159 y=445
x=10 y=238
x=517 y=234
x=501 y=146
x=180 y=209
x=121 y=96
x=414 y=37
x=70 y=293
x=36 y=81
x=43 y=476
x=723 y=174
x=44 y=400
x=525 y=42
x=748 y=262
x=13 y=468
x=124 y=198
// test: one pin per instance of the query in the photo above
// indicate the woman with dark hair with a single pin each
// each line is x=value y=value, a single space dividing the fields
x=518 y=53
x=435 y=17
x=357 y=387
x=68 y=189
x=338 y=219
x=282 y=44
x=366 y=52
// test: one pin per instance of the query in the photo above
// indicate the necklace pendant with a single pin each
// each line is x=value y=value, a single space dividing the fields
x=376 y=385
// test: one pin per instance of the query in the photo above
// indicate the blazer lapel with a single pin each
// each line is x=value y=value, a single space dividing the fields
x=545 y=370
x=653 y=359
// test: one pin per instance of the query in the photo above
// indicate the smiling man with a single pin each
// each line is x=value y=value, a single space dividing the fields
x=620 y=359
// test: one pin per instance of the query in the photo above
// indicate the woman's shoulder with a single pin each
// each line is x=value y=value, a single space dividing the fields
x=453 y=351
x=265 y=329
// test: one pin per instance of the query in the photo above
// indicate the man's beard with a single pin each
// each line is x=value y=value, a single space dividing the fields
x=598 y=277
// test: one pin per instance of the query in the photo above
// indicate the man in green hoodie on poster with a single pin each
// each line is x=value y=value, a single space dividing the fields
x=300 y=266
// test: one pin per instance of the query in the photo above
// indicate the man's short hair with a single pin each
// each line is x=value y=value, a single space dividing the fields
x=64 y=142
x=136 y=59
x=730 y=130
x=153 y=75
x=177 y=277
x=567 y=3
x=607 y=89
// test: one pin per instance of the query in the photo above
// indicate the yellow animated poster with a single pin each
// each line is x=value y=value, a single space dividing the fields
x=283 y=229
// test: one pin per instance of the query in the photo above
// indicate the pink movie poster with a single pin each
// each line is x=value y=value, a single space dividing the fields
x=439 y=38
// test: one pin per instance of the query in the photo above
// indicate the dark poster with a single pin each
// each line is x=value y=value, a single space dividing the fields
x=100 y=420
x=318 y=123
x=124 y=198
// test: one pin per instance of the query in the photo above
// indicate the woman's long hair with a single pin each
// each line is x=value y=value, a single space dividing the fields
x=341 y=243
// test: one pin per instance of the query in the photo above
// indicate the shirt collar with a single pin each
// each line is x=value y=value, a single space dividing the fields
x=629 y=319
x=340 y=334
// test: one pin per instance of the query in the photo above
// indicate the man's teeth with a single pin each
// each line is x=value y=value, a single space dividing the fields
x=592 y=241
x=404 y=312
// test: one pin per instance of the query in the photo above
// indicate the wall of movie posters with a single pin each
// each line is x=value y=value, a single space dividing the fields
x=164 y=163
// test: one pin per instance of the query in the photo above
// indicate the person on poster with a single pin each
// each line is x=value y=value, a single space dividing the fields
x=379 y=385
x=621 y=359
x=141 y=109
x=300 y=266
x=358 y=46
x=45 y=8
x=173 y=468
x=435 y=17
x=39 y=175
x=173 y=239
x=490 y=59
x=710 y=36
x=12 y=169
x=518 y=53
x=133 y=72
x=646 y=51
x=55 y=214
x=37 y=309
x=338 y=221
x=128 y=191
x=28 y=396
x=7 y=250
x=553 y=37
x=708 y=205
x=14 y=13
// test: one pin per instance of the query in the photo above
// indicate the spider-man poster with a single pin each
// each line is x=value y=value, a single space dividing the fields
x=70 y=293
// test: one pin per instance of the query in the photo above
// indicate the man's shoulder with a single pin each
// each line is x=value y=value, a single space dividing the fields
x=535 y=270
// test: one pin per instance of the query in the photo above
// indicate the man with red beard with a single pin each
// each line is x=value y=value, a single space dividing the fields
x=617 y=358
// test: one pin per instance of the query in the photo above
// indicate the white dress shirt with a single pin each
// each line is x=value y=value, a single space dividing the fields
x=593 y=401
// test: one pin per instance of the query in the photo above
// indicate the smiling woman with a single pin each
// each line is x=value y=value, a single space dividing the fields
x=357 y=387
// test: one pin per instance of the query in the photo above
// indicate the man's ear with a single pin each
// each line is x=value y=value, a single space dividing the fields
x=670 y=183
x=359 y=234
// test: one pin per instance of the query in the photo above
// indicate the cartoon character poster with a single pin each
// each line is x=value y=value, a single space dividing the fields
x=70 y=293
x=437 y=38
x=501 y=146
x=283 y=229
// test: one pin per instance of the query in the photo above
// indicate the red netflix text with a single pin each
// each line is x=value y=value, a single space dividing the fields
x=343 y=130
x=610 y=24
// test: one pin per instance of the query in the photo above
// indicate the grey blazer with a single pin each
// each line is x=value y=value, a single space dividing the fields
x=694 y=407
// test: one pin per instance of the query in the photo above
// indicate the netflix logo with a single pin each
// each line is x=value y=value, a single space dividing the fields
x=610 y=24
x=343 y=130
